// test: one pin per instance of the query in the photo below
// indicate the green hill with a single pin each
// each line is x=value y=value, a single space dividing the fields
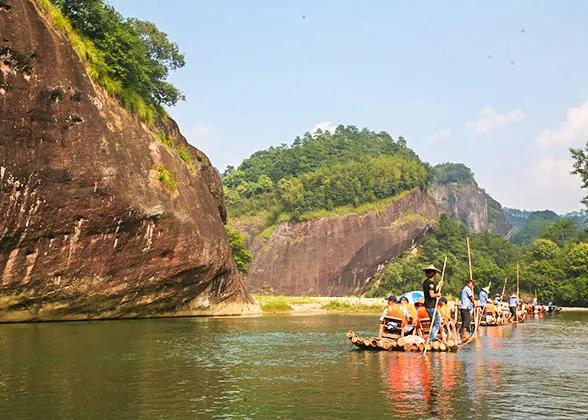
x=322 y=172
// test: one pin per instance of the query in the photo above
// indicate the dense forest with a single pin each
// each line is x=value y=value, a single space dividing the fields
x=323 y=171
x=529 y=224
x=129 y=57
x=555 y=266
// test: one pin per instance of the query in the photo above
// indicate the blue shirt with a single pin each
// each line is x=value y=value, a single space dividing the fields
x=513 y=301
x=483 y=298
x=466 y=301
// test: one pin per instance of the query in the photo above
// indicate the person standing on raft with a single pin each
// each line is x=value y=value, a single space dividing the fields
x=431 y=293
x=513 y=303
x=466 y=306
x=484 y=297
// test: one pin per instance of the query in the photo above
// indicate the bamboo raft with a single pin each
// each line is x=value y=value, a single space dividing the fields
x=400 y=343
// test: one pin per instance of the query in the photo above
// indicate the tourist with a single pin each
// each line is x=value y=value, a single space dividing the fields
x=484 y=297
x=513 y=303
x=497 y=298
x=445 y=313
x=391 y=303
x=466 y=306
x=431 y=292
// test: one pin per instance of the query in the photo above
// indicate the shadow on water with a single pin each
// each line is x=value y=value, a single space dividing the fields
x=286 y=367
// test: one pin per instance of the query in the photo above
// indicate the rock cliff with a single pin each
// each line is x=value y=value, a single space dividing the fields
x=472 y=206
x=100 y=219
x=338 y=255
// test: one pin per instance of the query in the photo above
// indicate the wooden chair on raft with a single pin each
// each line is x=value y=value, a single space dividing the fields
x=384 y=332
x=424 y=327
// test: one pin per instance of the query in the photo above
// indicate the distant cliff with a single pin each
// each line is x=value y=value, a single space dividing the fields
x=102 y=216
x=471 y=205
x=335 y=256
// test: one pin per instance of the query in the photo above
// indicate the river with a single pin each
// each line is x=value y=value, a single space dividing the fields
x=290 y=367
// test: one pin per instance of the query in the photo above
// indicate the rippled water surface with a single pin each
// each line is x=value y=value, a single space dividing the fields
x=287 y=367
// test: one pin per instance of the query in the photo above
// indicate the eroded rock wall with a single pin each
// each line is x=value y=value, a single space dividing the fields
x=337 y=256
x=469 y=204
x=87 y=228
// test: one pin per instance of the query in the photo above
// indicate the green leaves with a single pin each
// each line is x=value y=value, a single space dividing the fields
x=241 y=255
x=324 y=171
x=136 y=55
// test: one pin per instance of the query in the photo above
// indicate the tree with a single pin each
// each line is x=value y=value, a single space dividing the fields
x=580 y=157
x=137 y=56
x=241 y=255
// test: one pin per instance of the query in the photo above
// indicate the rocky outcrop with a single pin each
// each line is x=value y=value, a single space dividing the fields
x=100 y=219
x=336 y=256
x=472 y=206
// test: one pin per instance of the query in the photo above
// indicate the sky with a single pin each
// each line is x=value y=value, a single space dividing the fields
x=499 y=86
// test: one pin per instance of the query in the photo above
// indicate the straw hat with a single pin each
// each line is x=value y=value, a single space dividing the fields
x=486 y=289
x=431 y=268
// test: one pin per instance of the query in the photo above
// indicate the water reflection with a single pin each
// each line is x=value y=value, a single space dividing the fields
x=284 y=367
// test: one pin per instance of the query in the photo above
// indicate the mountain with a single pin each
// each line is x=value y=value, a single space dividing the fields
x=329 y=212
x=105 y=215
x=529 y=224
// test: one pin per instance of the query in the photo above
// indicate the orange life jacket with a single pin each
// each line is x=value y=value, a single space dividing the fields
x=395 y=311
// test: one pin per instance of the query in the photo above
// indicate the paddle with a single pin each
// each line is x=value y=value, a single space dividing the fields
x=435 y=310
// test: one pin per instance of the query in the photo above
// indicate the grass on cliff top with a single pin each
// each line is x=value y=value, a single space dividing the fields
x=183 y=153
x=376 y=207
x=97 y=67
x=282 y=303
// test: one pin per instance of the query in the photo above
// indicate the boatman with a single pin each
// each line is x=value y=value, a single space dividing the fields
x=465 y=307
x=431 y=292
x=513 y=303
x=484 y=297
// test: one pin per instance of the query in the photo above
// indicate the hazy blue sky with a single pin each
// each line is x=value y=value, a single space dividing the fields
x=500 y=86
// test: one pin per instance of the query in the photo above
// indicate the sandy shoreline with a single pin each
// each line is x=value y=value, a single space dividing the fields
x=573 y=309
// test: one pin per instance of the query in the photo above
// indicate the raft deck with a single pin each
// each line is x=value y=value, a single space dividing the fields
x=406 y=343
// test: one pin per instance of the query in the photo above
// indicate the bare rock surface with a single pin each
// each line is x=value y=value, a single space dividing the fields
x=87 y=229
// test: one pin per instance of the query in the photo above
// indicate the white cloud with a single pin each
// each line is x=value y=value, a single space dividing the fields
x=438 y=136
x=325 y=126
x=574 y=128
x=549 y=184
x=489 y=120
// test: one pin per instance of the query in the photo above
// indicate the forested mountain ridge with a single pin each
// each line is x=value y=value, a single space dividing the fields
x=323 y=171
x=356 y=198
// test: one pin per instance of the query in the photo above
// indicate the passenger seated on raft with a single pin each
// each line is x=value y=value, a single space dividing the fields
x=423 y=321
x=410 y=316
x=393 y=315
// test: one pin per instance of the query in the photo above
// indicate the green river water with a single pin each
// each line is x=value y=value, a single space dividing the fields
x=288 y=367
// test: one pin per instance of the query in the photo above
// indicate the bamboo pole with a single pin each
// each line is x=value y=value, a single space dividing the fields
x=469 y=257
x=516 y=312
x=436 y=303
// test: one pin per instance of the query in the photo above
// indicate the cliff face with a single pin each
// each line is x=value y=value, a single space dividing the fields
x=337 y=256
x=88 y=228
x=472 y=206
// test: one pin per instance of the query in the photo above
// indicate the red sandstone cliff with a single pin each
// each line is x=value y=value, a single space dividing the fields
x=87 y=230
x=338 y=255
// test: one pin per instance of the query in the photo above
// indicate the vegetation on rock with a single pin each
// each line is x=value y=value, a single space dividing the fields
x=241 y=254
x=130 y=58
x=446 y=173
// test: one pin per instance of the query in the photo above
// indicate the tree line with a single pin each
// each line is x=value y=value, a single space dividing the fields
x=554 y=266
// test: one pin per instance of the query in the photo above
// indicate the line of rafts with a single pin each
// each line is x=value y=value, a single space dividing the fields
x=396 y=334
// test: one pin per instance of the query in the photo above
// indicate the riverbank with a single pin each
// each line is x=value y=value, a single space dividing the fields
x=319 y=304
x=573 y=309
